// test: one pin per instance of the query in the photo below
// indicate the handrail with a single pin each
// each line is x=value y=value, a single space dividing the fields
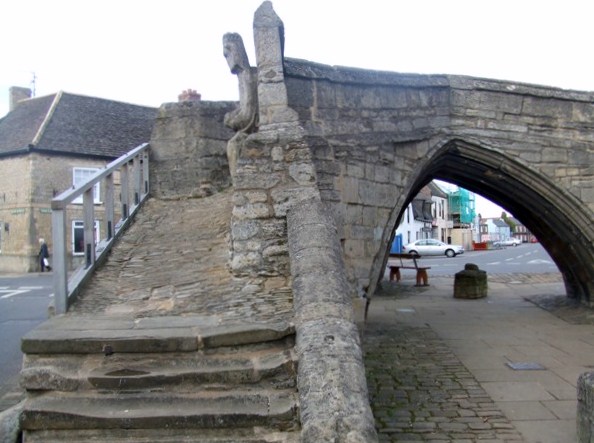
x=66 y=289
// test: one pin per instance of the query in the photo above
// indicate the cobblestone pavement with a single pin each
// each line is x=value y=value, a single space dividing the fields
x=420 y=391
x=173 y=260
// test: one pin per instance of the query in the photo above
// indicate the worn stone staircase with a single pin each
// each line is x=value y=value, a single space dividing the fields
x=166 y=379
x=165 y=344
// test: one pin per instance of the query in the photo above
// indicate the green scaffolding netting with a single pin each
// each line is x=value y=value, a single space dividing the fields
x=462 y=206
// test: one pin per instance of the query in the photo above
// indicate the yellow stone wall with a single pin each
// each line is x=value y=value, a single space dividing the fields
x=27 y=185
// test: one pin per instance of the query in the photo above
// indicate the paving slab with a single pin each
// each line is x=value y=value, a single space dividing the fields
x=517 y=391
x=547 y=431
x=526 y=410
x=524 y=319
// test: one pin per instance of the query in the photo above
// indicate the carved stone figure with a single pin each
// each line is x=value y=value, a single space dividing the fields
x=244 y=119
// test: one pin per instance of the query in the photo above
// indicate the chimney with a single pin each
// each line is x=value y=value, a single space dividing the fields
x=16 y=94
x=189 y=95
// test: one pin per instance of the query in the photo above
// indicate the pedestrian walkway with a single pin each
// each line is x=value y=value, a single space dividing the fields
x=174 y=260
x=499 y=369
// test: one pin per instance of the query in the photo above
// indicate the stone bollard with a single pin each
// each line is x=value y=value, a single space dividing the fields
x=585 y=408
x=470 y=283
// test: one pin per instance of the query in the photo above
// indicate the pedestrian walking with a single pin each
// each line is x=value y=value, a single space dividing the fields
x=44 y=256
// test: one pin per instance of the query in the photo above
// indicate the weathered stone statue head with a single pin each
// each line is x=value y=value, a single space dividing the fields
x=234 y=52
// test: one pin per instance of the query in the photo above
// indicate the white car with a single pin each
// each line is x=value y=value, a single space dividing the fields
x=430 y=246
x=508 y=242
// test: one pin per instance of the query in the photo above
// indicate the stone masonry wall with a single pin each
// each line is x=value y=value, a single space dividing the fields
x=366 y=130
x=28 y=184
x=189 y=149
x=51 y=176
x=543 y=171
x=274 y=167
x=15 y=214
x=548 y=129
x=376 y=138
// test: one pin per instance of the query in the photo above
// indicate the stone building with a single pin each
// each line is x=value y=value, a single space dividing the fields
x=47 y=145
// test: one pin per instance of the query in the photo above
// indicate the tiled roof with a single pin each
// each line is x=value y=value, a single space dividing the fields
x=75 y=124
x=19 y=127
x=436 y=191
x=500 y=223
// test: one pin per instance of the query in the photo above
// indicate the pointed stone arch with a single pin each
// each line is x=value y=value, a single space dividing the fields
x=553 y=215
x=364 y=142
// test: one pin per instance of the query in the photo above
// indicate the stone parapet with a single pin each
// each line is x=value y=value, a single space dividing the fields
x=189 y=149
x=331 y=376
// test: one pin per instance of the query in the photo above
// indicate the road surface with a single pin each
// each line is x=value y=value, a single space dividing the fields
x=527 y=258
x=24 y=302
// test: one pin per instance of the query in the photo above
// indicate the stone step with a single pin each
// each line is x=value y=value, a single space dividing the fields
x=272 y=364
x=108 y=335
x=159 y=410
x=245 y=435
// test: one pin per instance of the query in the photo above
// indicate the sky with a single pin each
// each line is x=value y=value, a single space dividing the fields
x=147 y=52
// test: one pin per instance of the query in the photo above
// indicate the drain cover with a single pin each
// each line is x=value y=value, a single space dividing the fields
x=525 y=366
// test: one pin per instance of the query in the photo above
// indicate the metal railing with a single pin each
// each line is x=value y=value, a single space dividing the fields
x=133 y=169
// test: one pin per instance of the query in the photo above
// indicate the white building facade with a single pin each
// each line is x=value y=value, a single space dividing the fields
x=425 y=217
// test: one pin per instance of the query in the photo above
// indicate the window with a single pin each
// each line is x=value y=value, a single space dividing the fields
x=80 y=176
x=78 y=236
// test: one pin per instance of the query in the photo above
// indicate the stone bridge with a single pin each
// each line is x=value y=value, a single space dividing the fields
x=365 y=142
x=322 y=162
